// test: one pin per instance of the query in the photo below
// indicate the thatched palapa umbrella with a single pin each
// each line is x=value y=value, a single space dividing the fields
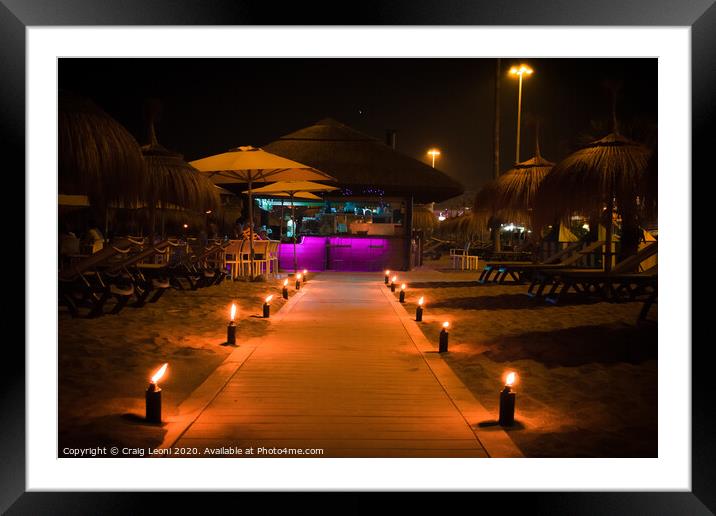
x=169 y=180
x=97 y=157
x=607 y=172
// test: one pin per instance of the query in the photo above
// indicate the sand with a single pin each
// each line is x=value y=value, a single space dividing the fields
x=105 y=363
x=587 y=372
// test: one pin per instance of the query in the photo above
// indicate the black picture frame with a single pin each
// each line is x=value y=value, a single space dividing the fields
x=17 y=15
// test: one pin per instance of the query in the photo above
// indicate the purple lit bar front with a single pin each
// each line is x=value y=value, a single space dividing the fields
x=348 y=253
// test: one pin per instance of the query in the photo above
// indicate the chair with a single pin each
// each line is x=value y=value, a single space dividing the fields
x=232 y=257
x=467 y=261
x=262 y=259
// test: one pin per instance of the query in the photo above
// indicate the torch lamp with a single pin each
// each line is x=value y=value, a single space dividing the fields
x=298 y=281
x=305 y=275
x=284 y=292
x=419 y=309
x=507 y=401
x=267 y=306
x=444 y=335
x=231 y=329
x=392 y=283
x=154 y=397
x=387 y=276
x=401 y=298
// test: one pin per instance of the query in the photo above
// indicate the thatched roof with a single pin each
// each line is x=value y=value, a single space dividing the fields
x=362 y=164
x=97 y=157
x=585 y=181
x=424 y=219
x=512 y=195
x=171 y=180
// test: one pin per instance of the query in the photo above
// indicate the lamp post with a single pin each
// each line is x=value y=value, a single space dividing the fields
x=519 y=72
x=434 y=153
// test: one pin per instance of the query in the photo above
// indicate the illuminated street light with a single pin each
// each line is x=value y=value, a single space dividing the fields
x=434 y=153
x=519 y=71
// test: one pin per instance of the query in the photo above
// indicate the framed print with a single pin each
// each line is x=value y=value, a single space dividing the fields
x=409 y=249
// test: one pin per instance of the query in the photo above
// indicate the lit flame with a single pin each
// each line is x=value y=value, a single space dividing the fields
x=305 y=271
x=186 y=226
x=402 y=287
x=421 y=300
x=160 y=372
x=285 y=283
x=510 y=379
x=387 y=272
x=269 y=298
x=446 y=324
x=233 y=311
x=298 y=276
x=395 y=278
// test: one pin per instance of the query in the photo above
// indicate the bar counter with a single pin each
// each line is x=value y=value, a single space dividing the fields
x=345 y=253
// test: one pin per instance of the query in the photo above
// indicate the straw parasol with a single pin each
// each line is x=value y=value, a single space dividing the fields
x=292 y=189
x=607 y=172
x=249 y=165
x=511 y=196
x=97 y=156
x=169 y=180
x=424 y=219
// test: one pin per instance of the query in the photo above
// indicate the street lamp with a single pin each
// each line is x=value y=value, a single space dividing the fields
x=434 y=153
x=519 y=71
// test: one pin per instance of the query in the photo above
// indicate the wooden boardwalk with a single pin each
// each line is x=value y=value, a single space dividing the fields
x=339 y=372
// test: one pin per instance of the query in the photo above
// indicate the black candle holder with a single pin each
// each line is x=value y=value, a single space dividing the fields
x=231 y=333
x=267 y=310
x=507 y=406
x=298 y=284
x=284 y=292
x=443 y=345
x=392 y=286
x=153 y=403
x=419 y=313
x=401 y=297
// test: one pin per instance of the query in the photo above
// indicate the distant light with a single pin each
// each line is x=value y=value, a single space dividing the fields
x=441 y=217
x=186 y=226
x=585 y=226
x=207 y=211
x=434 y=152
x=521 y=70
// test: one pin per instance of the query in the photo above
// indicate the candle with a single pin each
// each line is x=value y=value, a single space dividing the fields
x=305 y=275
x=392 y=283
x=401 y=298
x=443 y=346
x=231 y=329
x=419 y=310
x=284 y=292
x=153 y=397
x=267 y=306
x=507 y=401
x=298 y=281
x=387 y=276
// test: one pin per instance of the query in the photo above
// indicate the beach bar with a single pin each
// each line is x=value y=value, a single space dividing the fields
x=365 y=225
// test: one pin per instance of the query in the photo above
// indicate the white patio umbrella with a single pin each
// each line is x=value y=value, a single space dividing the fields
x=293 y=189
x=248 y=165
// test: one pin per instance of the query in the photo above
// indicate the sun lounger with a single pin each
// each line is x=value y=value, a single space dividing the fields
x=624 y=280
x=519 y=271
x=83 y=286
x=145 y=285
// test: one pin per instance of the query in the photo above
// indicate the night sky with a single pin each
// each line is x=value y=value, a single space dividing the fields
x=211 y=105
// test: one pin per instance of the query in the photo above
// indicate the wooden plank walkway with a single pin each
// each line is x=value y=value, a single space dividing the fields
x=341 y=373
